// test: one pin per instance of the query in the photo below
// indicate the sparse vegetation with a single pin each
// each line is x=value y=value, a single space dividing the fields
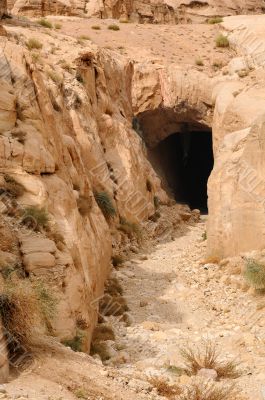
x=207 y=391
x=255 y=274
x=35 y=57
x=57 y=26
x=114 y=27
x=103 y=332
x=75 y=343
x=11 y=186
x=215 y=20
x=35 y=218
x=47 y=301
x=81 y=393
x=165 y=389
x=204 y=236
x=19 y=312
x=222 y=41
x=45 y=23
x=199 y=62
x=96 y=27
x=84 y=205
x=33 y=43
x=217 y=64
x=56 y=78
x=130 y=228
x=207 y=357
x=105 y=203
x=84 y=37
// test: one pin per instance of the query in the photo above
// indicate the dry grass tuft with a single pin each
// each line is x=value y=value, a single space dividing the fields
x=164 y=389
x=255 y=274
x=207 y=391
x=208 y=357
x=33 y=43
x=222 y=41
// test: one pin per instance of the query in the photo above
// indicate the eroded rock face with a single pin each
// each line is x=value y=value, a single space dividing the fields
x=151 y=11
x=64 y=139
x=3 y=8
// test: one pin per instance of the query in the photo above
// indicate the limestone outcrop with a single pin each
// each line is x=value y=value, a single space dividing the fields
x=145 y=11
x=65 y=134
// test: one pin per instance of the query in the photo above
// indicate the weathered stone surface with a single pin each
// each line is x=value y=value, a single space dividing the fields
x=35 y=261
x=34 y=244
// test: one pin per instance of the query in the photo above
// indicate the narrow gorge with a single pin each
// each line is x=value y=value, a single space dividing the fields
x=132 y=230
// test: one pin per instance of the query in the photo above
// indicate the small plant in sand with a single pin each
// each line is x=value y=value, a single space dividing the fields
x=45 y=23
x=114 y=27
x=199 y=62
x=35 y=218
x=207 y=357
x=33 y=43
x=215 y=20
x=57 y=26
x=222 y=41
x=96 y=27
x=207 y=391
x=255 y=274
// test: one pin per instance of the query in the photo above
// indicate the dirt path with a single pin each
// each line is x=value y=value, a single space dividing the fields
x=175 y=300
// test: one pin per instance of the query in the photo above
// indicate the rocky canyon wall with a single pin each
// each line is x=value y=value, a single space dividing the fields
x=147 y=11
x=65 y=133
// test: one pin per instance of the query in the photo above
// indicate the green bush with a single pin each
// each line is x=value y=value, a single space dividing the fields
x=114 y=27
x=76 y=343
x=45 y=23
x=105 y=203
x=215 y=20
x=222 y=41
x=33 y=43
x=35 y=218
x=199 y=62
x=255 y=274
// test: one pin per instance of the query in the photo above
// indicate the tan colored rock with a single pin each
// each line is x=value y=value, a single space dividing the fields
x=35 y=261
x=33 y=244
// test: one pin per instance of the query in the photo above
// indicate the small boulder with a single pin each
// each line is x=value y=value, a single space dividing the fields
x=209 y=374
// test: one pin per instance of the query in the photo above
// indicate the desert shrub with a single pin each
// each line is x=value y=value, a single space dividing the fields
x=117 y=260
x=222 y=41
x=84 y=205
x=199 y=62
x=105 y=203
x=96 y=27
x=56 y=78
x=207 y=391
x=45 y=23
x=47 y=301
x=208 y=357
x=57 y=26
x=81 y=393
x=156 y=202
x=84 y=37
x=130 y=228
x=149 y=186
x=33 y=43
x=12 y=187
x=19 y=310
x=164 y=389
x=254 y=274
x=204 y=236
x=35 y=218
x=215 y=20
x=76 y=343
x=113 y=287
x=103 y=332
x=114 y=27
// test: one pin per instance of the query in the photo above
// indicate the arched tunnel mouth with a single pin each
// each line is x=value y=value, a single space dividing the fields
x=184 y=161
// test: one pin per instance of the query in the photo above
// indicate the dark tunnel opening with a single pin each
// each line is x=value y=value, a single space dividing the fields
x=184 y=161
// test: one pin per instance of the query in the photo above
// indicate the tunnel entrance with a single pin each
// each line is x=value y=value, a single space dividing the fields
x=184 y=162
